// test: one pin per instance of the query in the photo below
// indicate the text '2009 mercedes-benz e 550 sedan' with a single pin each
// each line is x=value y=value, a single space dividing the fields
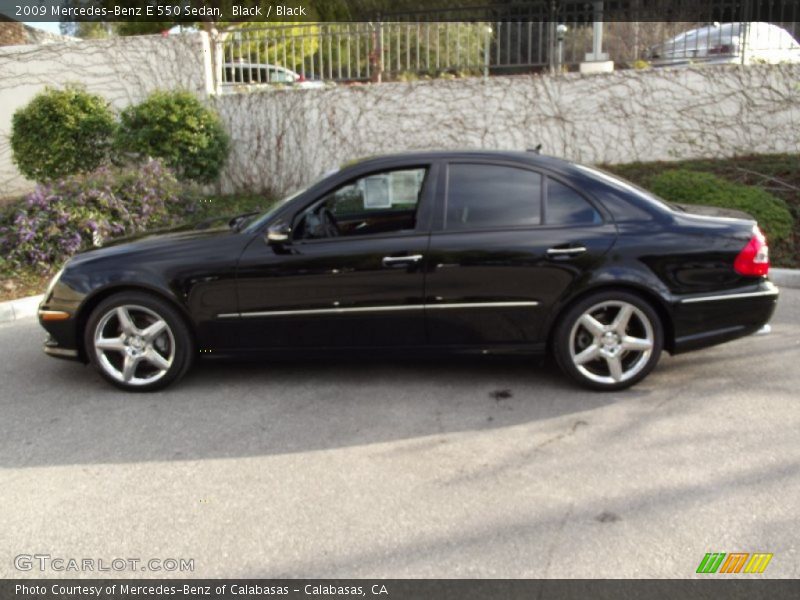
x=447 y=251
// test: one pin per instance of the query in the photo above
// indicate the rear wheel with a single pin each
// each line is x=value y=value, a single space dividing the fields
x=138 y=342
x=609 y=340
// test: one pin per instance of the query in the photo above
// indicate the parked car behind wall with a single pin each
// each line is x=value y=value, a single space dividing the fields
x=728 y=43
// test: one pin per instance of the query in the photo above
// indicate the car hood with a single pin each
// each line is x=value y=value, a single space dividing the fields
x=158 y=240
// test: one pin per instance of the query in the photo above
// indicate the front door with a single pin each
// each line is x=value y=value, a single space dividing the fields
x=351 y=275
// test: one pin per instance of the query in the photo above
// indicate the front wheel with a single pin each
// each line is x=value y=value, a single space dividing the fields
x=138 y=342
x=609 y=340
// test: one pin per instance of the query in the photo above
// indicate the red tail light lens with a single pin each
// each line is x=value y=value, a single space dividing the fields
x=753 y=260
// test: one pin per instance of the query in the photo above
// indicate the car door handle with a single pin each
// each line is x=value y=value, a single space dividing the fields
x=393 y=261
x=566 y=251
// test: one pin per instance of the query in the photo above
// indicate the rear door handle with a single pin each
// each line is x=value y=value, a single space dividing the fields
x=393 y=261
x=566 y=251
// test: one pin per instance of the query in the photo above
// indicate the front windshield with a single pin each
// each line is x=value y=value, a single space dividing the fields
x=263 y=218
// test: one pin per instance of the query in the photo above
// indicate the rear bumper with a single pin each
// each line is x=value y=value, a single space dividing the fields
x=709 y=319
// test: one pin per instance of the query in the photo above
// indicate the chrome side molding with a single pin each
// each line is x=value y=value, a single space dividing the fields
x=375 y=309
x=715 y=298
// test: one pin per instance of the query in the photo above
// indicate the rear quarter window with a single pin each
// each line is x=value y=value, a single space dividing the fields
x=565 y=206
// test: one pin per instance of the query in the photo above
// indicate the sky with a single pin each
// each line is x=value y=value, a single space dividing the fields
x=51 y=26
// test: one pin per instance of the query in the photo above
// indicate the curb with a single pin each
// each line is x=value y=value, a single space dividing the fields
x=785 y=277
x=21 y=308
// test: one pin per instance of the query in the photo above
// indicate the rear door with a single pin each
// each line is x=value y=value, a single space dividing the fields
x=508 y=242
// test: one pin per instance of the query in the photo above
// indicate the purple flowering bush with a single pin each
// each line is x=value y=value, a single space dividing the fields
x=58 y=219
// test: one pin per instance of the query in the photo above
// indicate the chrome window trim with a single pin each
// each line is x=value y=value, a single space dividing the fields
x=374 y=309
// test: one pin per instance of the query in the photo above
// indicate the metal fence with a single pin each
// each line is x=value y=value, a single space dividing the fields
x=507 y=39
x=382 y=51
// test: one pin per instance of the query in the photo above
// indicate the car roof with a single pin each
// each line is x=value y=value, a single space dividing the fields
x=716 y=30
x=531 y=158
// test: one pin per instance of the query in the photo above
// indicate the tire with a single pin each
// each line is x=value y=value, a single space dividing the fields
x=609 y=340
x=138 y=342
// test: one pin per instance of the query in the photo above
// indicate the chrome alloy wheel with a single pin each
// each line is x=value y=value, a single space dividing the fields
x=134 y=345
x=611 y=342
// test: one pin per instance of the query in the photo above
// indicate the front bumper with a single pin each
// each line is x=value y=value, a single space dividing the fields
x=61 y=327
x=51 y=348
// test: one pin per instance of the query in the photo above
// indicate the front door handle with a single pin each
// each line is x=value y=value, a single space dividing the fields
x=394 y=261
x=566 y=251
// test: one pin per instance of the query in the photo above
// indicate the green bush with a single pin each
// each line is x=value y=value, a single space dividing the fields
x=176 y=127
x=696 y=187
x=58 y=219
x=61 y=132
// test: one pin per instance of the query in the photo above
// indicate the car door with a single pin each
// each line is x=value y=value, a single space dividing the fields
x=356 y=281
x=508 y=242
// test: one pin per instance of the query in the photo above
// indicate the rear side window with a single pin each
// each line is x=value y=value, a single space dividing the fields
x=565 y=206
x=492 y=196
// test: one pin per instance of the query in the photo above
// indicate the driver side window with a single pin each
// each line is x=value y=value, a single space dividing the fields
x=383 y=202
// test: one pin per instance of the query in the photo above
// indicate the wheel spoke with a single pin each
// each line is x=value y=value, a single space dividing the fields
x=587 y=354
x=155 y=359
x=594 y=326
x=620 y=323
x=125 y=321
x=129 y=367
x=614 y=367
x=113 y=344
x=637 y=344
x=151 y=332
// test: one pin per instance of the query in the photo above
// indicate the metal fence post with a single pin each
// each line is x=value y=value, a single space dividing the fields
x=744 y=27
x=487 y=38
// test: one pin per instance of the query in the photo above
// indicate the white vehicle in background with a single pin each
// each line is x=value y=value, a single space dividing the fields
x=247 y=73
x=728 y=43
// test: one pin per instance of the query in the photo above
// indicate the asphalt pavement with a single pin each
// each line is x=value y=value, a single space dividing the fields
x=448 y=468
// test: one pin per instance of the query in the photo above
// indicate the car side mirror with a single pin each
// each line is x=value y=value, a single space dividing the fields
x=278 y=234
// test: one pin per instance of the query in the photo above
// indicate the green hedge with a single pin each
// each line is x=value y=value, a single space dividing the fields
x=695 y=187
x=177 y=128
x=61 y=132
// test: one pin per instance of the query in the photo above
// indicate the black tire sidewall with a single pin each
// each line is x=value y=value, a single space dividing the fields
x=564 y=327
x=184 y=345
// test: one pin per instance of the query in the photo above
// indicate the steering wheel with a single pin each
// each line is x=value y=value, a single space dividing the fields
x=329 y=225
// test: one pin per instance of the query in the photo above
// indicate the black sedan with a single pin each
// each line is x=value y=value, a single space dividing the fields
x=488 y=252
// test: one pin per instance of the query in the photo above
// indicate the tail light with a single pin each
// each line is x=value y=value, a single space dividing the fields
x=753 y=260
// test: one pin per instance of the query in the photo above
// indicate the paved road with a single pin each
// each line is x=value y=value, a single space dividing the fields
x=410 y=470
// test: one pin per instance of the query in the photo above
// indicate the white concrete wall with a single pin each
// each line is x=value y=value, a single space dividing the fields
x=122 y=70
x=283 y=139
